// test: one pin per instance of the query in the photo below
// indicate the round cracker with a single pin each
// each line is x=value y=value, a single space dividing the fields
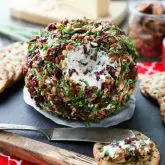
x=105 y=161
x=13 y=49
x=18 y=71
x=154 y=87
x=3 y=79
x=150 y=86
x=11 y=73
x=13 y=58
x=161 y=100
x=15 y=54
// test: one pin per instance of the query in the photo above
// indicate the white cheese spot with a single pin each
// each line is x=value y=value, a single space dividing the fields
x=114 y=148
x=110 y=149
x=86 y=66
x=122 y=144
x=43 y=54
x=48 y=81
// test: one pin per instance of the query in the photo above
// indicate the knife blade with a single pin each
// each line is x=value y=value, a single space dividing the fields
x=103 y=135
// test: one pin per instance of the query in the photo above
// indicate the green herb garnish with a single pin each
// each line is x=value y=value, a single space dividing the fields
x=45 y=47
x=87 y=124
x=33 y=71
x=31 y=48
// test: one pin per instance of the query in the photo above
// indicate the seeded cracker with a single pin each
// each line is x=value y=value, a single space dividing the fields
x=13 y=59
x=154 y=87
x=3 y=79
x=133 y=151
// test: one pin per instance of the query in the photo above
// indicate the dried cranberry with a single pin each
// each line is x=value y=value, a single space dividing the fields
x=137 y=153
x=114 y=45
x=112 y=39
x=58 y=73
x=58 y=100
x=40 y=63
x=131 y=74
x=80 y=30
x=53 y=53
x=29 y=63
x=120 y=32
x=56 y=52
x=64 y=47
x=25 y=70
x=73 y=85
x=102 y=71
x=74 y=91
x=61 y=57
x=33 y=40
x=38 y=58
x=33 y=84
x=101 y=38
x=49 y=52
x=44 y=86
x=128 y=157
x=65 y=22
x=129 y=140
x=39 y=98
x=113 y=90
x=85 y=49
x=51 y=27
x=31 y=89
x=43 y=40
x=88 y=93
x=103 y=86
x=111 y=71
x=57 y=60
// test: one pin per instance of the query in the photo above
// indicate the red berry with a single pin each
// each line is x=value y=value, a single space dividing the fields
x=51 y=27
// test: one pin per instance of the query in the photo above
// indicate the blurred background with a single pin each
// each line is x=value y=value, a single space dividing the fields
x=143 y=20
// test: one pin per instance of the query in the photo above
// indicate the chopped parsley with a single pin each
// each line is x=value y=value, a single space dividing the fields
x=33 y=71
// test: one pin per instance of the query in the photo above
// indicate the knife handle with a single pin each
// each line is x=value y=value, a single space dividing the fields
x=45 y=132
x=40 y=153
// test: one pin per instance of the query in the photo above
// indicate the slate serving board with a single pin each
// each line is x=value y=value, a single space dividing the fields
x=146 y=119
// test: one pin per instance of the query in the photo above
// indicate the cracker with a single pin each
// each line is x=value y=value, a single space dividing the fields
x=155 y=159
x=13 y=58
x=11 y=73
x=18 y=67
x=154 y=87
x=3 y=79
x=161 y=100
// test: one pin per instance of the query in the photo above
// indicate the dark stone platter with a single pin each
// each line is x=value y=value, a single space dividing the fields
x=146 y=119
x=13 y=109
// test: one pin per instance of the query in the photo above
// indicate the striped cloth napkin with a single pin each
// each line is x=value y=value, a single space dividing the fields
x=7 y=160
x=148 y=68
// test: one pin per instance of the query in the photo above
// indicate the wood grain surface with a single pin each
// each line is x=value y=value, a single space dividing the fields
x=40 y=153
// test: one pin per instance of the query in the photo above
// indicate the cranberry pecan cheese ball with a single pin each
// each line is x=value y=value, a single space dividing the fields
x=81 y=69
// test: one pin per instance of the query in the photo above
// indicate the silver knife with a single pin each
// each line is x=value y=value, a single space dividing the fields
x=103 y=135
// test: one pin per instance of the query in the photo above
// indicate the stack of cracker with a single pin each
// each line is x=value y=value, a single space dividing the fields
x=13 y=58
x=153 y=87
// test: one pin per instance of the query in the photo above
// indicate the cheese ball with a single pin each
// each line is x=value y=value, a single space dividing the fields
x=81 y=69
